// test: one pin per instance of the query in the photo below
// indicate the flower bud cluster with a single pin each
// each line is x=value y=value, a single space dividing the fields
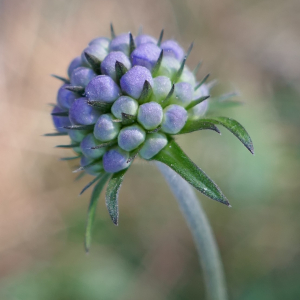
x=126 y=96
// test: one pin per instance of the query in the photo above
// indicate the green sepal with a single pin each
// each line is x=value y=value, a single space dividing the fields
x=179 y=72
x=157 y=64
x=75 y=89
x=201 y=82
x=167 y=100
x=65 y=80
x=86 y=166
x=131 y=43
x=68 y=146
x=79 y=127
x=56 y=134
x=80 y=175
x=107 y=144
x=196 y=102
x=236 y=128
x=189 y=50
x=176 y=159
x=103 y=107
x=69 y=158
x=112 y=191
x=90 y=183
x=195 y=125
x=120 y=70
x=61 y=114
x=128 y=119
x=94 y=62
x=160 y=38
x=146 y=93
x=195 y=71
x=112 y=31
x=92 y=210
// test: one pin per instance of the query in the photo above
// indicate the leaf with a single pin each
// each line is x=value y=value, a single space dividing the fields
x=195 y=125
x=94 y=62
x=176 y=159
x=131 y=43
x=111 y=198
x=61 y=114
x=236 y=128
x=92 y=210
x=65 y=80
x=189 y=50
x=75 y=89
x=157 y=64
x=70 y=158
x=146 y=93
x=120 y=70
x=112 y=31
x=195 y=71
x=90 y=183
x=160 y=38
x=202 y=81
x=68 y=146
x=56 y=134
x=196 y=102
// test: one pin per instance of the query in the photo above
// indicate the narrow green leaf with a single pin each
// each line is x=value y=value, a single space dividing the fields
x=103 y=107
x=94 y=62
x=176 y=159
x=112 y=31
x=202 y=81
x=157 y=64
x=70 y=158
x=167 y=100
x=76 y=89
x=60 y=114
x=56 y=134
x=196 y=102
x=236 y=128
x=195 y=125
x=65 y=80
x=79 y=127
x=68 y=146
x=146 y=93
x=120 y=70
x=111 y=198
x=131 y=43
x=90 y=183
x=160 y=38
x=92 y=210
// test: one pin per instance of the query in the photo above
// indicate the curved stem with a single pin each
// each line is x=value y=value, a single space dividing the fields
x=201 y=231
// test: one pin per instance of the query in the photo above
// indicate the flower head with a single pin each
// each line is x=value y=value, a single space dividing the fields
x=129 y=96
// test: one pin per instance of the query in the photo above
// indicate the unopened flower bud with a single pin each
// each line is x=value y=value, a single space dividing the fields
x=126 y=105
x=131 y=137
x=150 y=115
x=120 y=43
x=153 y=144
x=115 y=160
x=106 y=129
x=89 y=142
x=82 y=76
x=174 y=119
x=172 y=48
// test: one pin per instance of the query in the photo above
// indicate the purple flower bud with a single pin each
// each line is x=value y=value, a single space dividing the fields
x=75 y=63
x=102 y=88
x=60 y=122
x=131 y=137
x=145 y=55
x=144 y=39
x=120 y=43
x=169 y=66
x=183 y=94
x=175 y=117
x=187 y=76
x=93 y=170
x=200 y=109
x=82 y=113
x=115 y=160
x=161 y=88
x=105 y=129
x=133 y=81
x=108 y=64
x=125 y=105
x=87 y=143
x=77 y=135
x=82 y=76
x=100 y=41
x=65 y=98
x=150 y=115
x=172 y=48
x=153 y=144
x=95 y=50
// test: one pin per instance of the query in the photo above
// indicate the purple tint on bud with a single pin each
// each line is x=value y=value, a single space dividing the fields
x=115 y=160
x=65 y=98
x=145 y=55
x=120 y=43
x=95 y=50
x=77 y=135
x=125 y=105
x=200 y=109
x=75 y=63
x=133 y=81
x=87 y=143
x=105 y=129
x=150 y=115
x=82 y=113
x=101 y=42
x=102 y=88
x=153 y=144
x=60 y=122
x=93 y=170
x=82 y=76
x=187 y=76
x=169 y=66
x=109 y=63
x=183 y=94
x=161 y=88
x=172 y=48
x=131 y=137
x=144 y=39
x=175 y=117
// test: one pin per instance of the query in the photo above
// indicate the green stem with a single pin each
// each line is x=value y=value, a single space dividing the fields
x=202 y=233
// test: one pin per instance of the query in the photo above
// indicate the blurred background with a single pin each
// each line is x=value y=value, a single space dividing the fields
x=250 y=46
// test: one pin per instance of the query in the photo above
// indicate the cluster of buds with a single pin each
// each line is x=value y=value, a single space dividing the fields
x=129 y=96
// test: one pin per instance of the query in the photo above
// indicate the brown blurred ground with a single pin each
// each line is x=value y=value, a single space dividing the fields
x=251 y=46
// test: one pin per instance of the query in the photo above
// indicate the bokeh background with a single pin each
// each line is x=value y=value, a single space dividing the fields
x=251 y=47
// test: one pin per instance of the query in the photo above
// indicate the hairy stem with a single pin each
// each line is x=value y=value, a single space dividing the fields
x=202 y=233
